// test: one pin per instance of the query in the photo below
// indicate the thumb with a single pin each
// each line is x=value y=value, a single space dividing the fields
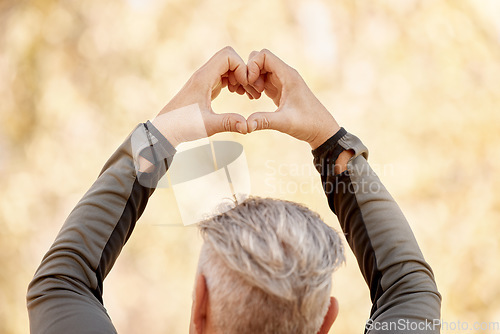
x=267 y=120
x=228 y=122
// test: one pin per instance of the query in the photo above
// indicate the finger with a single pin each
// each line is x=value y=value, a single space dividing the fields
x=223 y=82
x=216 y=91
x=227 y=60
x=273 y=92
x=259 y=83
x=252 y=54
x=274 y=80
x=215 y=123
x=232 y=88
x=267 y=61
x=250 y=90
x=267 y=120
x=240 y=90
x=253 y=69
x=232 y=78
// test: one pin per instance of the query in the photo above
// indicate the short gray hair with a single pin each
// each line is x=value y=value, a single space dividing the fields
x=268 y=265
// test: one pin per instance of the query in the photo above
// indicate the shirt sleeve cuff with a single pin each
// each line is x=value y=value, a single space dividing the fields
x=149 y=144
x=332 y=142
x=167 y=147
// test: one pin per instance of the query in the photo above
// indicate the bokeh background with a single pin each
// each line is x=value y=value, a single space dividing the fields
x=418 y=81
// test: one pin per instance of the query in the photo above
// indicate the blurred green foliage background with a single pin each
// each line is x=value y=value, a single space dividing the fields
x=418 y=81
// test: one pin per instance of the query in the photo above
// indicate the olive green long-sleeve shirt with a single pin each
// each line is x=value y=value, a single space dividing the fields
x=65 y=295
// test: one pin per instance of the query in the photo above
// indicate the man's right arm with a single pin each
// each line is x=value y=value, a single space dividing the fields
x=402 y=286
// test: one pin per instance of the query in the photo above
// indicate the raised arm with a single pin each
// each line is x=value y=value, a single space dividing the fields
x=65 y=295
x=402 y=286
x=401 y=283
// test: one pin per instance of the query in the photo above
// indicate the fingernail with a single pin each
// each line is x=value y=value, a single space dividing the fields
x=238 y=127
x=253 y=126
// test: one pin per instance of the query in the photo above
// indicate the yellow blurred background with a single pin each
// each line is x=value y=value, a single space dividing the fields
x=417 y=81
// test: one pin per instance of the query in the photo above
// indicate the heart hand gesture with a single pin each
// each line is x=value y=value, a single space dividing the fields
x=299 y=114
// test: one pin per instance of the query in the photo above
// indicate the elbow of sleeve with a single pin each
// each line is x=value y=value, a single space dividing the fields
x=33 y=292
x=419 y=288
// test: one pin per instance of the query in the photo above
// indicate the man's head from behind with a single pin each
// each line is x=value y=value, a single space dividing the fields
x=266 y=267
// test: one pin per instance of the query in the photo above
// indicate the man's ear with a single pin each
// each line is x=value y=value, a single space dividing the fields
x=331 y=315
x=200 y=304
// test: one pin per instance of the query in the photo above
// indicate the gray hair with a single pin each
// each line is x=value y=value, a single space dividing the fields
x=268 y=266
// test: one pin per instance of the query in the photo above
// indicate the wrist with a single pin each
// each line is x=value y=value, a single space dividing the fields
x=324 y=124
x=164 y=125
x=323 y=135
x=342 y=160
x=181 y=125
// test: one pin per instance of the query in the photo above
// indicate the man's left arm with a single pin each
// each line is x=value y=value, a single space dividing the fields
x=65 y=294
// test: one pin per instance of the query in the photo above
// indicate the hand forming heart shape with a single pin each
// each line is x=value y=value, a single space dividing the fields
x=299 y=113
